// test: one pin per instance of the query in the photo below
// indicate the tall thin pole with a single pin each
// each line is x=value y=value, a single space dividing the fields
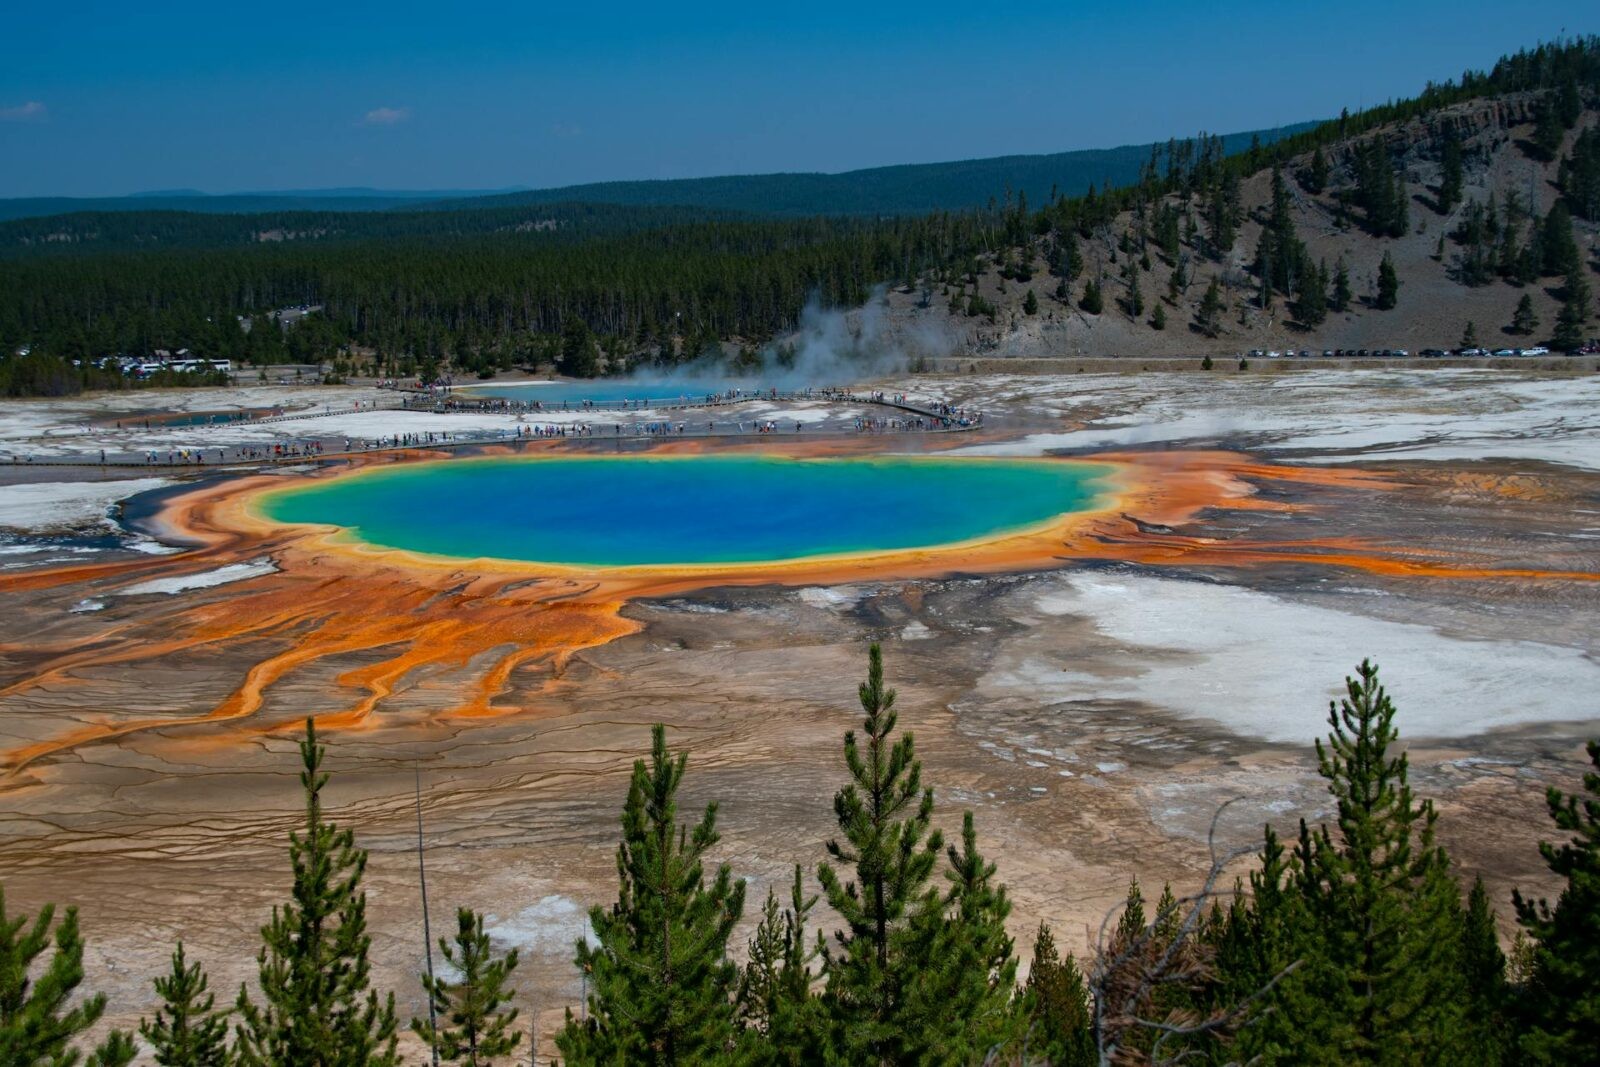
x=427 y=933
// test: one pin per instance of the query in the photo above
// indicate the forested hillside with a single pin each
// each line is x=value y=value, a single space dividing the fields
x=1415 y=218
x=1466 y=221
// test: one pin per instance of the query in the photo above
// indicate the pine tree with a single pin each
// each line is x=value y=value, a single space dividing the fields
x=1263 y=944
x=1311 y=300
x=476 y=1026
x=1561 y=1005
x=1092 y=302
x=1400 y=200
x=958 y=1001
x=1483 y=970
x=1167 y=232
x=1506 y=252
x=1450 y=172
x=1058 y=1026
x=1579 y=175
x=1560 y=249
x=776 y=1005
x=317 y=1008
x=1341 y=286
x=1222 y=215
x=889 y=845
x=1469 y=336
x=1153 y=982
x=1524 y=320
x=760 y=982
x=186 y=1031
x=1123 y=987
x=1209 y=317
x=1573 y=316
x=1315 y=177
x=117 y=1050
x=1183 y=962
x=1066 y=261
x=1380 y=190
x=1568 y=100
x=1177 y=282
x=1030 y=304
x=1530 y=261
x=1547 y=133
x=1131 y=922
x=1279 y=253
x=1388 y=284
x=37 y=1025
x=1158 y=318
x=1382 y=901
x=662 y=986
x=578 y=357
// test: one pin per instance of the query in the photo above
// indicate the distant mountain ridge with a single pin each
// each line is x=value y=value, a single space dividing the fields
x=228 y=204
x=246 y=203
x=903 y=189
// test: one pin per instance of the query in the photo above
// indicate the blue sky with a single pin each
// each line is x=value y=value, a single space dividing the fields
x=101 y=98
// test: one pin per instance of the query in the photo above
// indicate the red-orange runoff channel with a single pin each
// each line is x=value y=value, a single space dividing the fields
x=489 y=618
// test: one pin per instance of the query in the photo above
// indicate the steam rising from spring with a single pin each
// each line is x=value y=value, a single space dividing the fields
x=829 y=347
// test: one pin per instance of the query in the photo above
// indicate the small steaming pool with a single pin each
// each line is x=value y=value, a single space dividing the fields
x=627 y=511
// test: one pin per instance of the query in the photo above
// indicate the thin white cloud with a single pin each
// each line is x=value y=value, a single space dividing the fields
x=386 y=116
x=566 y=129
x=32 y=111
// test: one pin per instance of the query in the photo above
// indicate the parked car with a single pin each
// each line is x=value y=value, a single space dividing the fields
x=1501 y=353
x=1536 y=350
x=1431 y=353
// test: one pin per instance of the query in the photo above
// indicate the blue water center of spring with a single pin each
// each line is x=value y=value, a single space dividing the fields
x=626 y=511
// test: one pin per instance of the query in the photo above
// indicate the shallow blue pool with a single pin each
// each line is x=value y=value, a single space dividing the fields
x=689 y=510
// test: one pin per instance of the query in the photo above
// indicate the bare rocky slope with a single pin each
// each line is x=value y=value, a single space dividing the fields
x=1434 y=305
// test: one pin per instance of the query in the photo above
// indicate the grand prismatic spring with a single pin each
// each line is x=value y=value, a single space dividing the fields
x=643 y=511
x=1105 y=618
x=487 y=566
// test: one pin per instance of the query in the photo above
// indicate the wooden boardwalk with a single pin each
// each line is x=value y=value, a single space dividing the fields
x=309 y=448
